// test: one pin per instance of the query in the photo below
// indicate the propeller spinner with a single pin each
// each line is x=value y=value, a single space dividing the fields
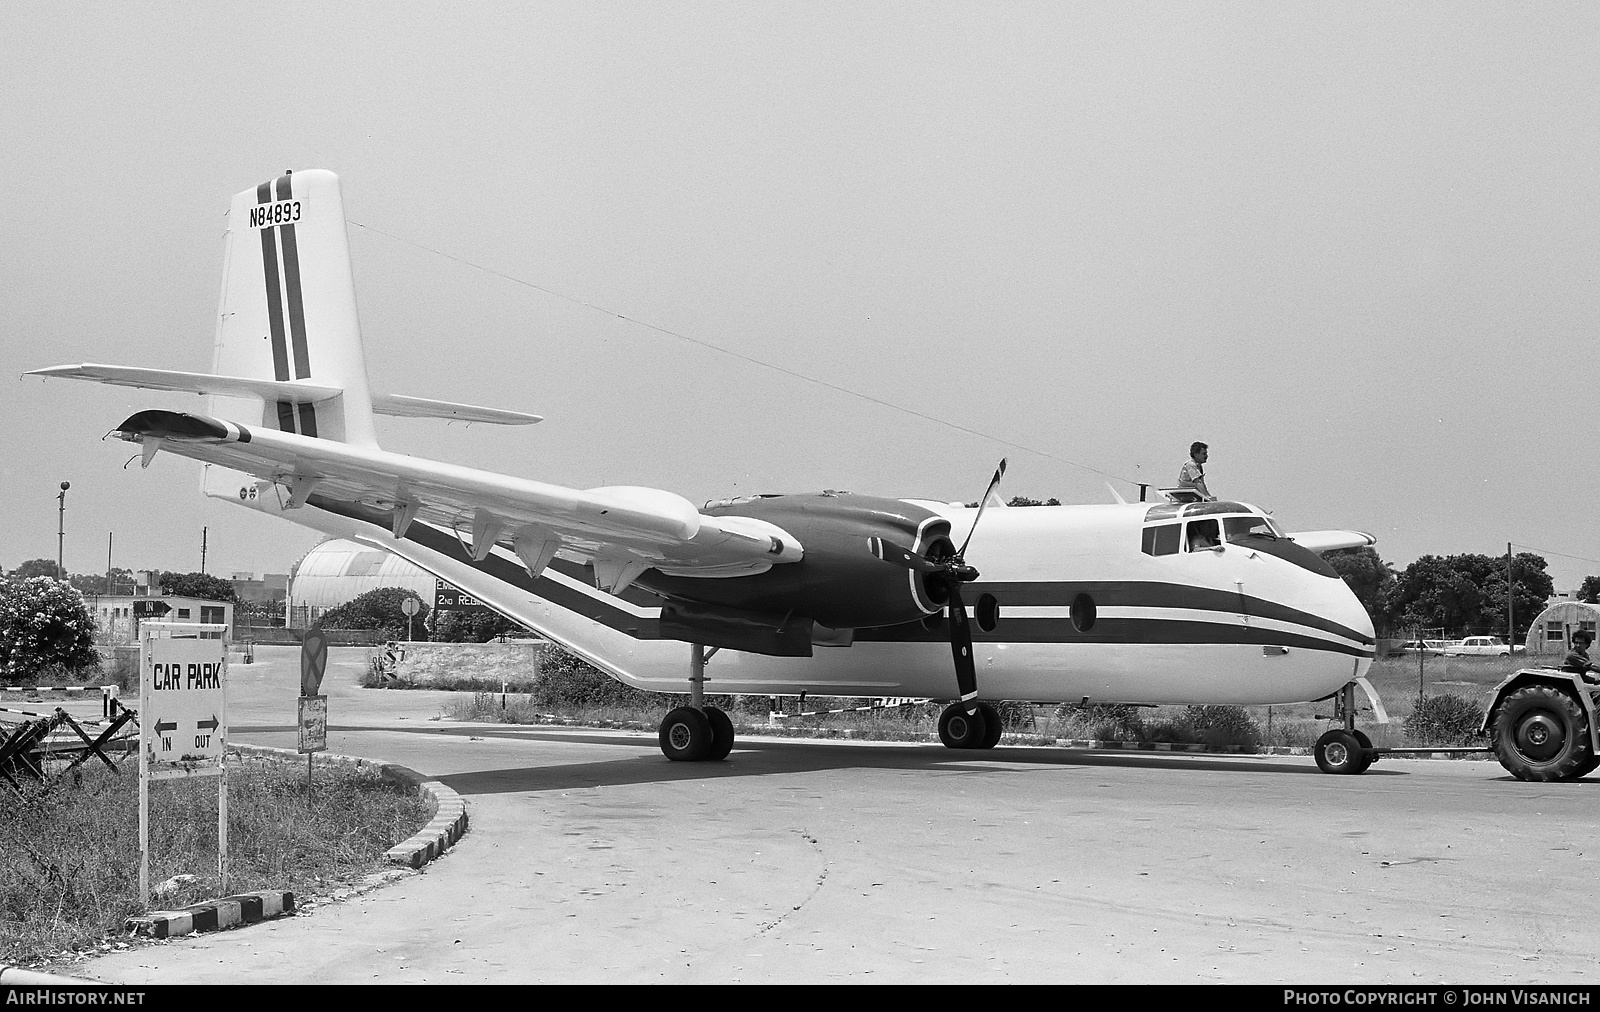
x=952 y=572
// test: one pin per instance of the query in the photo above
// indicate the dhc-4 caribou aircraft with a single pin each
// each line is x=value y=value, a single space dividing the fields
x=826 y=593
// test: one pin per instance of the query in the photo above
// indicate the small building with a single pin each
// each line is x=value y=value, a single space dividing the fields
x=1551 y=632
x=118 y=616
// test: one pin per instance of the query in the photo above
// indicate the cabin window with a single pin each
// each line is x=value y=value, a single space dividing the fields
x=1203 y=535
x=1161 y=539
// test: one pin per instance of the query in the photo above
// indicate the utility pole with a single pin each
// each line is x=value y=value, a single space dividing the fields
x=1511 y=618
x=203 y=532
x=109 y=536
x=61 y=530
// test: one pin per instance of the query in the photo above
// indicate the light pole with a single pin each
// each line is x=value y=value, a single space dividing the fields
x=61 y=530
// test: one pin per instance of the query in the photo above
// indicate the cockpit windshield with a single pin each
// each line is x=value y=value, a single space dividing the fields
x=1194 y=528
x=1237 y=529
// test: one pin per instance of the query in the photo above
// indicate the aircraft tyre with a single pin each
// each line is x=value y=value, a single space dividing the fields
x=686 y=735
x=721 y=733
x=1340 y=751
x=960 y=729
x=993 y=725
x=1542 y=734
x=1366 y=743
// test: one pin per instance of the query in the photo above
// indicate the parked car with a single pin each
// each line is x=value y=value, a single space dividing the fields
x=1426 y=646
x=1478 y=646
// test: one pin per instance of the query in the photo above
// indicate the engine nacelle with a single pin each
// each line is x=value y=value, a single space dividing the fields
x=839 y=583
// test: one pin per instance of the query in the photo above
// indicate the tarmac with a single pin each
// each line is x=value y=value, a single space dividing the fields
x=592 y=859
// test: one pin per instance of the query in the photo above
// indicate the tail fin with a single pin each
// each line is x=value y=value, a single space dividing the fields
x=288 y=310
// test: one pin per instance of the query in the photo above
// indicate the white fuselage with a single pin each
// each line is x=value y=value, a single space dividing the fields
x=1224 y=626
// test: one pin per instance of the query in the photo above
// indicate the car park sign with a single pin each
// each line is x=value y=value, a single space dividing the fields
x=182 y=700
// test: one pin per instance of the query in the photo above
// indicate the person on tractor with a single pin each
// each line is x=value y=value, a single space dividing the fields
x=1577 y=659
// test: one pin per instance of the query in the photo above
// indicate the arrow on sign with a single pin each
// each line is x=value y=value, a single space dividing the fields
x=162 y=727
x=207 y=725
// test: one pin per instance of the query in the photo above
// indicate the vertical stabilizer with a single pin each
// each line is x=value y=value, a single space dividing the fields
x=288 y=309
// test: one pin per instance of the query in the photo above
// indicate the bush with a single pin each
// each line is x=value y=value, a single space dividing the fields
x=1219 y=725
x=566 y=681
x=44 y=624
x=1105 y=721
x=1444 y=719
x=468 y=627
x=378 y=609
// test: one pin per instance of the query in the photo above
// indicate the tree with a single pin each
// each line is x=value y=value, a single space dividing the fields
x=1531 y=587
x=95 y=583
x=201 y=585
x=37 y=567
x=378 y=609
x=1370 y=578
x=1467 y=593
x=43 y=622
x=1589 y=593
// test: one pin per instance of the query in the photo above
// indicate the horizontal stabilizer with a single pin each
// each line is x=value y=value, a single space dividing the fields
x=290 y=391
x=1327 y=541
x=192 y=382
x=401 y=406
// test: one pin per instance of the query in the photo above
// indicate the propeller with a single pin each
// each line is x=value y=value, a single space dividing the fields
x=952 y=572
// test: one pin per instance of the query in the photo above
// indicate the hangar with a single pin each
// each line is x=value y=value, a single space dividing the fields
x=1552 y=631
x=336 y=572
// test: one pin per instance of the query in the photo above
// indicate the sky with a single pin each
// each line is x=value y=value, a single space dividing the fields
x=729 y=248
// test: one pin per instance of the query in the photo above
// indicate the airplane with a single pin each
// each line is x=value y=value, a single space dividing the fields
x=827 y=593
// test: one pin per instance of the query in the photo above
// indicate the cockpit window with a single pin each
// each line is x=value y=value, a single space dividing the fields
x=1238 y=529
x=1203 y=535
x=1161 y=539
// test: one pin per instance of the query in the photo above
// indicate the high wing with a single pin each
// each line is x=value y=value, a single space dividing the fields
x=1327 y=541
x=623 y=530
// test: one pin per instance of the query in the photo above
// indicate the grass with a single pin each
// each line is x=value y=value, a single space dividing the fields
x=69 y=849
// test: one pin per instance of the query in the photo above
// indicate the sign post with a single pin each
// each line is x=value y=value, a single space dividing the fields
x=313 y=716
x=409 y=606
x=183 y=722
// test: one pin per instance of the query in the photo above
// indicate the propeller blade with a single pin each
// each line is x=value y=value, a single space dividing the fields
x=902 y=557
x=983 y=504
x=961 y=650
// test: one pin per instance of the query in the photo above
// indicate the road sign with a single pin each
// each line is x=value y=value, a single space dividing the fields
x=448 y=598
x=409 y=606
x=313 y=724
x=183 y=721
x=182 y=699
x=313 y=661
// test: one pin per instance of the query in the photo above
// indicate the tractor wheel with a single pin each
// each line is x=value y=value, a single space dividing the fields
x=1542 y=734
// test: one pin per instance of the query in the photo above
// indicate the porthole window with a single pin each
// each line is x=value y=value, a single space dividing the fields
x=1083 y=613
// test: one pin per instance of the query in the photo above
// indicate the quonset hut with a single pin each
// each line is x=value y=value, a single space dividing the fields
x=336 y=572
x=1551 y=632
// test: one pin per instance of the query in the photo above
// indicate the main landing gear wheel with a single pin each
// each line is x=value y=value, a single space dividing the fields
x=992 y=726
x=960 y=729
x=1342 y=752
x=721 y=733
x=1542 y=734
x=687 y=735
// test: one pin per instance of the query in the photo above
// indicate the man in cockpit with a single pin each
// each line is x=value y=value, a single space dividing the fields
x=1193 y=473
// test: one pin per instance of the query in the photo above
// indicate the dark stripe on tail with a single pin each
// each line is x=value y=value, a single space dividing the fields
x=283 y=290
